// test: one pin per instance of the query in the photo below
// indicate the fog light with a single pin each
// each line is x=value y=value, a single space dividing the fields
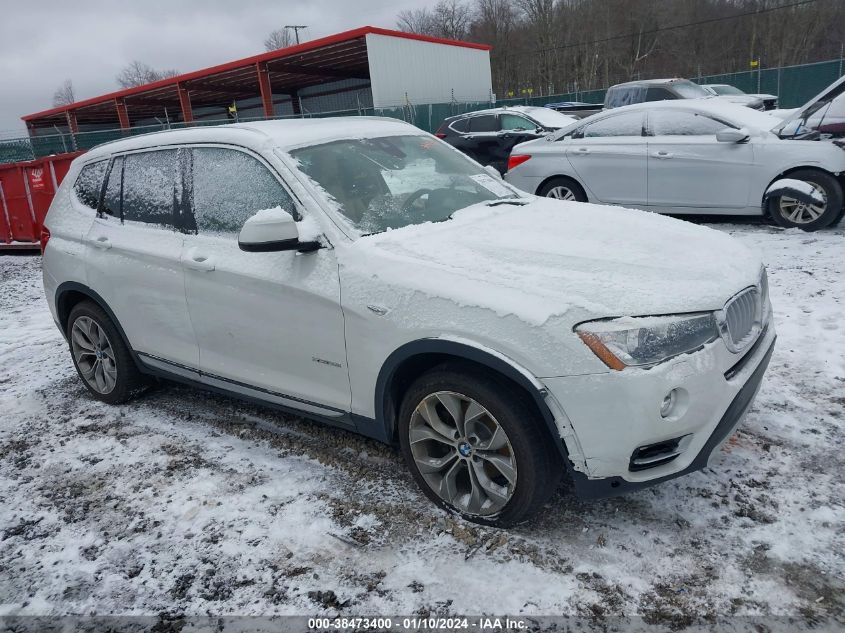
x=668 y=403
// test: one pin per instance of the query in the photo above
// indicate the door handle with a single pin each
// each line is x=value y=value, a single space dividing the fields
x=582 y=150
x=196 y=261
x=102 y=243
x=662 y=155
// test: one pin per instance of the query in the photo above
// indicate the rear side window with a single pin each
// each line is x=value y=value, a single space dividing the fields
x=629 y=124
x=229 y=187
x=89 y=183
x=461 y=125
x=112 y=197
x=626 y=95
x=669 y=123
x=659 y=94
x=484 y=123
x=149 y=187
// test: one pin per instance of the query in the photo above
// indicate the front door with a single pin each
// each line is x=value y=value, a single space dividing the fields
x=689 y=168
x=266 y=321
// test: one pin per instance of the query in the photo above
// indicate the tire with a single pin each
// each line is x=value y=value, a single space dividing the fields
x=561 y=186
x=812 y=218
x=93 y=339
x=469 y=472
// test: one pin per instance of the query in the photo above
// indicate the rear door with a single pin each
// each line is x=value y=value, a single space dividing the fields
x=514 y=129
x=133 y=251
x=270 y=321
x=689 y=168
x=479 y=138
x=609 y=156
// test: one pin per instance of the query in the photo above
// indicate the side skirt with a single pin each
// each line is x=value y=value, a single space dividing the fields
x=337 y=418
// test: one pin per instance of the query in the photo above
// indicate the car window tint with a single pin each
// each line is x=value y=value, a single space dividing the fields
x=149 y=187
x=229 y=187
x=669 y=123
x=111 y=200
x=514 y=122
x=484 y=123
x=630 y=124
x=659 y=94
x=89 y=183
x=617 y=97
x=461 y=125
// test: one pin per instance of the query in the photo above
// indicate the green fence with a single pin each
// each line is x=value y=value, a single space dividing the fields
x=795 y=85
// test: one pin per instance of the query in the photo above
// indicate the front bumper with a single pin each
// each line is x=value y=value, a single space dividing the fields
x=612 y=415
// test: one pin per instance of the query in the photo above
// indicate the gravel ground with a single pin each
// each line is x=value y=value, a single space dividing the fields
x=187 y=503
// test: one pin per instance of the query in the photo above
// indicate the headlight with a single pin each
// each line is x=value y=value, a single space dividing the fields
x=646 y=341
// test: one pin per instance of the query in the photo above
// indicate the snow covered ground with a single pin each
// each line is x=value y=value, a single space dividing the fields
x=183 y=502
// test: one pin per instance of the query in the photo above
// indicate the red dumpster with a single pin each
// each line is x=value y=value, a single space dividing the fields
x=26 y=191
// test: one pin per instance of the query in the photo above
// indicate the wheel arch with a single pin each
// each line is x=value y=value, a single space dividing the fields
x=71 y=293
x=412 y=359
x=840 y=177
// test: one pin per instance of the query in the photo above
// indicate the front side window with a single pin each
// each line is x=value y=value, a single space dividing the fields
x=89 y=183
x=629 y=124
x=229 y=187
x=483 y=123
x=659 y=94
x=689 y=90
x=149 y=187
x=395 y=181
x=675 y=123
x=514 y=122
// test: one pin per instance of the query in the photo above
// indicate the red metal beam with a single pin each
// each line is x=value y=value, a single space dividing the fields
x=122 y=114
x=265 y=88
x=185 y=103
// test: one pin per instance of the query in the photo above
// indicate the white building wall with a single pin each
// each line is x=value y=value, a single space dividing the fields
x=427 y=72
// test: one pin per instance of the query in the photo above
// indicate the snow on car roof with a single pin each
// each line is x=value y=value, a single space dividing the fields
x=284 y=134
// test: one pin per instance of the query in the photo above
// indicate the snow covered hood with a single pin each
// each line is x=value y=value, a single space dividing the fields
x=553 y=258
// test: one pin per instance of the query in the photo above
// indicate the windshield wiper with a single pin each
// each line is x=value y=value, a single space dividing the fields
x=515 y=201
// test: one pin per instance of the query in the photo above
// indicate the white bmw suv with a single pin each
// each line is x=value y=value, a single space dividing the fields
x=366 y=274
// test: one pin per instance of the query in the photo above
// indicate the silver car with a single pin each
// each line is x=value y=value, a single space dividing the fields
x=684 y=157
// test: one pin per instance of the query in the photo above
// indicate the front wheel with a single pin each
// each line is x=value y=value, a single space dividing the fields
x=475 y=446
x=791 y=213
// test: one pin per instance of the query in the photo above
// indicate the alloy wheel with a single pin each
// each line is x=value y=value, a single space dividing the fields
x=799 y=212
x=463 y=453
x=93 y=354
x=561 y=193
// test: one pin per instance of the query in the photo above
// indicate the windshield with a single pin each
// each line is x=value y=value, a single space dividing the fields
x=549 y=118
x=724 y=89
x=689 y=90
x=394 y=181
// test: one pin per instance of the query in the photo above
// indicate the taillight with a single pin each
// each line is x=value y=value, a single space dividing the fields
x=440 y=135
x=45 y=237
x=515 y=160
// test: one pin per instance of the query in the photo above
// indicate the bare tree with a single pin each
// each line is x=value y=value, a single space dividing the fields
x=138 y=73
x=280 y=38
x=64 y=94
x=416 y=21
x=449 y=18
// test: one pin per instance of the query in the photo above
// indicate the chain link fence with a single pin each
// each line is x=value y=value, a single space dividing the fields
x=793 y=84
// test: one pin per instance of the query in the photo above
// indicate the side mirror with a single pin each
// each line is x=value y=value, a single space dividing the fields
x=272 y=230
x=731 y=135
x=493 y=172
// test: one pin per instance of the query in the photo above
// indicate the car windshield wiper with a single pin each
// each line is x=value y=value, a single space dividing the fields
x=515 y=201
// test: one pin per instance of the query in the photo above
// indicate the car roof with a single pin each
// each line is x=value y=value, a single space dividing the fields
x=283 y=133
x=714 y=106
x=649 y=82
x=527 y=110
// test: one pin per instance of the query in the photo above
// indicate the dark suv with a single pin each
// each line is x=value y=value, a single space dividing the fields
x=488 y=136
x=652 y=90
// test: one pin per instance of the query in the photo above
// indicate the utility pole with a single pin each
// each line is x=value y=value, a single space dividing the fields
x=296 y=28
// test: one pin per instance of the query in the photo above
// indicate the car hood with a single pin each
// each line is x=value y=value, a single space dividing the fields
x=552 y=258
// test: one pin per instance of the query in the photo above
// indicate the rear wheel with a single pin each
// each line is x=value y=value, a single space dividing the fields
x=475 y=446
x=563 y=188
x=791 y=213
x=101 y=357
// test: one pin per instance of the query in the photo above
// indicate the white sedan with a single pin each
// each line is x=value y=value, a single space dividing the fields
x=684 y=157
